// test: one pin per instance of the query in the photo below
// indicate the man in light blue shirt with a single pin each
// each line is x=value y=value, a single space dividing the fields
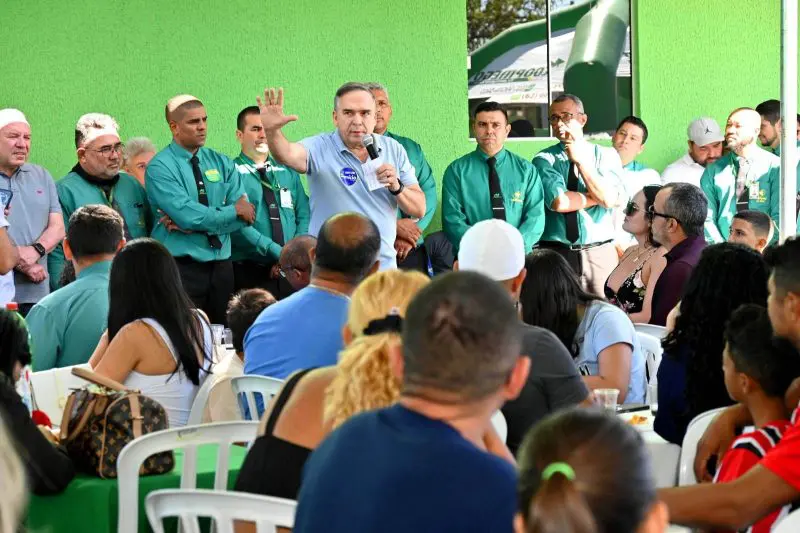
x=305 y=329
x=66 y=325
x=337 y=165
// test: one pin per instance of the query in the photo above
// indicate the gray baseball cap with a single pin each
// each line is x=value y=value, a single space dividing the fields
x=704 y=130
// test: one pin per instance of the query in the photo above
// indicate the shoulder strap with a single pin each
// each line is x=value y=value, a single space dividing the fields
x=164 y=336
x=281 y=400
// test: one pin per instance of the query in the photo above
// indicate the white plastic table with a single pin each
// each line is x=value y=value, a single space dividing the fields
x=665 y=456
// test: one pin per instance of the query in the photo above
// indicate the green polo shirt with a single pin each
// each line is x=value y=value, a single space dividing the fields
x=719 y=185
x=424 y=176
x=74 y=192
x=66 y=325
x=466 y=198
x=171 y=189
x=294 y=214
x=595 y=224
x=635 y=166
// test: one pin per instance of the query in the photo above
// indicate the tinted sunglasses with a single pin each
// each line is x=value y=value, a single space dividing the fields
x=631 y=208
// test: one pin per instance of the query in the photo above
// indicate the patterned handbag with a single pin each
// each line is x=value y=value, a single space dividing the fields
x=100 y=419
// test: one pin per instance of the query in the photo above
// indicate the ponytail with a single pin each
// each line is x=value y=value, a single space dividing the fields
x=558 y=506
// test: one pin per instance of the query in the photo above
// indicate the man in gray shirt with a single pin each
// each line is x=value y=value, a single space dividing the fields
x=496 y=249
x=34 y=213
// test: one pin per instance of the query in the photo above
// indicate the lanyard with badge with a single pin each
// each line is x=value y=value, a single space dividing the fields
x=285 y=194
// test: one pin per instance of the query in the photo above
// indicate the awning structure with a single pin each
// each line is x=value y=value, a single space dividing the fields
x=520 y=75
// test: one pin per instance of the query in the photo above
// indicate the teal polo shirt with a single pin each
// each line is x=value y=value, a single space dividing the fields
x=635 y=166
x=66 y=325
x=427 y=182
x=466 y=198
x=171 y=189
x=595 y=224
x=719 y=185
x=127 y=194
x=295 y=214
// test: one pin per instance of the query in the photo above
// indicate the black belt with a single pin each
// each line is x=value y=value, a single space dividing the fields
x=572 y=247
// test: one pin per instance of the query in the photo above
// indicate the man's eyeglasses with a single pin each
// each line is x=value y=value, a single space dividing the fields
x=652 y=213
x=630 y=209
x=283 y=270
x=107 y=150
x=563 y=117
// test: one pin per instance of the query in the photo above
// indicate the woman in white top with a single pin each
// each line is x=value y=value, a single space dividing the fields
x=156 y=341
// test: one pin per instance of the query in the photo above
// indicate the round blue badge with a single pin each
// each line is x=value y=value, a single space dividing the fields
x=348 y=176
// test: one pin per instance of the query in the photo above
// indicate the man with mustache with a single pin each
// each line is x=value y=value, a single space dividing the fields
x=491 y=182
x=198 y=195
x=281 y=204
x=747 y=177
x=582 y=187
x=96 y=179
x=705 y=147
x=341 y=175
x=30 y=202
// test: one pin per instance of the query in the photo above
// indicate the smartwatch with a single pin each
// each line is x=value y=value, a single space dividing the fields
x=39 y=249
x=399 y=189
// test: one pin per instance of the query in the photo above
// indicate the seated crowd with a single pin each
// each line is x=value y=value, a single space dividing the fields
x=397 y=349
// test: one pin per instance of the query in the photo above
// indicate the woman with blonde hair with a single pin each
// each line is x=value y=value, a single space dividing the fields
x=313 y=402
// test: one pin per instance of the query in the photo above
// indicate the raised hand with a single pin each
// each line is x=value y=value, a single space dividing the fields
x=271 y=110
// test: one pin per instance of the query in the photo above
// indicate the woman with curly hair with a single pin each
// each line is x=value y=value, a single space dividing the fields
x=315 y=401
x=690 y=379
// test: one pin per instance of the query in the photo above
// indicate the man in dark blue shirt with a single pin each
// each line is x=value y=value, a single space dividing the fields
x=423 y=465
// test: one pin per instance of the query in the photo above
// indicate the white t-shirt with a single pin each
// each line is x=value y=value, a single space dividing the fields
x=6 y=280
x=684 y=170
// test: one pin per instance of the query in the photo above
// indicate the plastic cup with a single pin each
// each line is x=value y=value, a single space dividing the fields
x=217 y=333
x=652 y=396
x=227 y=337
x=607 y=398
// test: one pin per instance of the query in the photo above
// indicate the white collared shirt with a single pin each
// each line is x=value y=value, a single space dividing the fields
x=684 y=170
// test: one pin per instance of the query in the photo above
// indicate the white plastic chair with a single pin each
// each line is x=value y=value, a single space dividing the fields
x=250 y=386
x=188 y=438
x=658 y=332
x=694 y=433
x=500 y=425
x=653 y=351
x=51 y=388
x=790 y=524
x=224 y=507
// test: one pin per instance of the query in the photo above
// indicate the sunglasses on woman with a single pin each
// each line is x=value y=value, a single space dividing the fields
x=631 y=208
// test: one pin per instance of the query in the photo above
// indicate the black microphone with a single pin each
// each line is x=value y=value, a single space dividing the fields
x=369 y=143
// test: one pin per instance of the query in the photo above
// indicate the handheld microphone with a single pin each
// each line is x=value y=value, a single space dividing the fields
x=369 y=143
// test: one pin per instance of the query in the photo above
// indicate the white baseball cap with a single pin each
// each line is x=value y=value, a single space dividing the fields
x=493 y=248
x=704 y=130
x=11 y=116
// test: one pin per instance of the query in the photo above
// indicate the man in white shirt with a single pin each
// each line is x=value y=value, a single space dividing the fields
x=8 y=259
x=705 y=147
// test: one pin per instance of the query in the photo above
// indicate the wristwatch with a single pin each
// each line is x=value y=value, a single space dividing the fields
x=39 y=249
x=399 y=189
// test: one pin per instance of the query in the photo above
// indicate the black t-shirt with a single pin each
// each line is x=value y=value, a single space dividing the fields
x=553 y=383
x=49 y=469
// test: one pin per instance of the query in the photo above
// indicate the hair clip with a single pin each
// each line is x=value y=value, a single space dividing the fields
x=391 y=323
x=558 y=468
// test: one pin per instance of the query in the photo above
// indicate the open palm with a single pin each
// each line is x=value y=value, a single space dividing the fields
x=271 y=110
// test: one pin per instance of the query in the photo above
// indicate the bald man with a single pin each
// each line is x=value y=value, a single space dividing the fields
x=747 y=177
x=295 y=261
x=305 y=329
x=199 y=201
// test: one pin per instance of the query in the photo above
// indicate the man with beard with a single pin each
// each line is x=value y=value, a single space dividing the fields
x=342 y=176
x=199 y=197
x=747 y=177
x=770 y=134
x=705 y=147
x=96 y=179
x=281 y=205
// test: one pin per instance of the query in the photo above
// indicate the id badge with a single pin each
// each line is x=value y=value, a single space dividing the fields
x=5 y=197
x=754 y=190
x=286 y=199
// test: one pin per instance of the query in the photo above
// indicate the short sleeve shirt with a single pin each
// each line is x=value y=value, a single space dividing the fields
x=34 y=199
x=336 y=185
x=604 y=325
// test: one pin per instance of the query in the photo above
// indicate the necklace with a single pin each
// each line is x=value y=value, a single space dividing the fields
x=646 y=250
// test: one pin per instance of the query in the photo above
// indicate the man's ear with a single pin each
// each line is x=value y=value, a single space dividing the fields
x=375 y=267
x=518 y=377
x=121 y=244
x=761 y=243
x=455 y=265
x=396 y=362
x=67 y=250
x=312 y=254
x=516 y=284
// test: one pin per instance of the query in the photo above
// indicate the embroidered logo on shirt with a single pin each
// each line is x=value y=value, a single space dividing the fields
x=517 y=197
x=213 y=175
x=348 y=176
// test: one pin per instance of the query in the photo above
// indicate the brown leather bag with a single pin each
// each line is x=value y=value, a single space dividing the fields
x=99 y=420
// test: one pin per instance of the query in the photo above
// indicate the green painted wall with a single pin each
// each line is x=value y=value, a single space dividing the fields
x=126 y=58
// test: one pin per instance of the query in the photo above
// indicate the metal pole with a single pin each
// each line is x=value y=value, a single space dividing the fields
x=788 y=118
x=549 y=65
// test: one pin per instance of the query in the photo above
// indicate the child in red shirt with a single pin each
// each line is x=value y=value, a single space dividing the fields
x=758 y=369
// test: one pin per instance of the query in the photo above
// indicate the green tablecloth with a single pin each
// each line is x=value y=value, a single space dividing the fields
x=90 y=504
